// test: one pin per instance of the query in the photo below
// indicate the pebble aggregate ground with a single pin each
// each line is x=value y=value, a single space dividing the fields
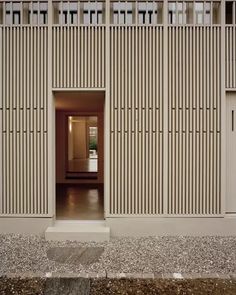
x=126 y=266
x=149 y=255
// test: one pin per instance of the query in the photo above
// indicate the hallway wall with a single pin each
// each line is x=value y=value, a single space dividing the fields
x=80 y=148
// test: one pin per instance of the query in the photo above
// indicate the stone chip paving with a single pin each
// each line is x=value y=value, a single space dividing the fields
x=148 y=255
x=129 y=264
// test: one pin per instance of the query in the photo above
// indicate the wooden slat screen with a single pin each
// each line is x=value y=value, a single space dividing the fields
x=24 y=95
x=78 y=57
x=136 y=130
x=194 y=120
x=230 y=52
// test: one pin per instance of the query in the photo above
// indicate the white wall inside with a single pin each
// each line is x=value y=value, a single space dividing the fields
x=79 y=133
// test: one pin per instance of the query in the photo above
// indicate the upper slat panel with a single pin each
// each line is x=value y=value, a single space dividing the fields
x=136 y=111
x=230 y=53
x=24 y=93
x=78 y=57
x=194 y=120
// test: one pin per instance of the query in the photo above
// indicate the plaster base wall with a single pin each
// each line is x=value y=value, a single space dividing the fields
x=187 y=226
x=25 y=225
x=136 y=227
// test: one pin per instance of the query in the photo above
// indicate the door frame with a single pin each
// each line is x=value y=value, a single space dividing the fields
x=100 y=145
x=51 y=117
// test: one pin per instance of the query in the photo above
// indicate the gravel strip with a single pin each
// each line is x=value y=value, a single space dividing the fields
x=72 y=286
x=152 y=255
x=22 y=286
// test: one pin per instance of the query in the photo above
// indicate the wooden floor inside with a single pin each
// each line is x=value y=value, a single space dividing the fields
x=79 y=202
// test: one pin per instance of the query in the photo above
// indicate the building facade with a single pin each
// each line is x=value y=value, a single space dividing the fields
x=168 y=73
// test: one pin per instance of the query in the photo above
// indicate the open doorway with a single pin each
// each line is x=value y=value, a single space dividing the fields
x=82 y=151
x=79 y=155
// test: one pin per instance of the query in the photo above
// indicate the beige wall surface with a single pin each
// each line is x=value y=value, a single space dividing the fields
x=78 y=57
x=24 y=131
x=194 y=120
x=165 y=98
x=230 y=57
x=193 y=115
x=231 y=148
x=136 y=120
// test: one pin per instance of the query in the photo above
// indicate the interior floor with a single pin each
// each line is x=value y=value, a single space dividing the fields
x=83 y=165
x=79 y=201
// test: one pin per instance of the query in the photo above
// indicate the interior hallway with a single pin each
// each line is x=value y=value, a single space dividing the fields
x=79 y=201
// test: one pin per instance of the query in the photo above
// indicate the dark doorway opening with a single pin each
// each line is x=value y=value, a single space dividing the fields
x=79 y=155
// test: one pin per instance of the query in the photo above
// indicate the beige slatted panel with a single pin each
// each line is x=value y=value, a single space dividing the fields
x=24 y=122
x=136 y=109
x=78 y=57
x=2 y=80
x=194 y=98
x=230 y=52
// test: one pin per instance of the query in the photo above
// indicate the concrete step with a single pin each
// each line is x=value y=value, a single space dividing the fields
x=82 y=231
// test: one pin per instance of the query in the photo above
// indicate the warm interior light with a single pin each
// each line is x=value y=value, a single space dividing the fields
x=70 y=124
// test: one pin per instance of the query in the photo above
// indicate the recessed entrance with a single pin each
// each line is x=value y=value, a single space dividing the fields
x=79 y=155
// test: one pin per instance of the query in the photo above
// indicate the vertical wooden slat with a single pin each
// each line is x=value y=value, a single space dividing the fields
x=1 y=117
x=136 y=108
x=23 y=59
x=78 y=57
x=135 y=130
x=193 y=123
x=230 y=60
